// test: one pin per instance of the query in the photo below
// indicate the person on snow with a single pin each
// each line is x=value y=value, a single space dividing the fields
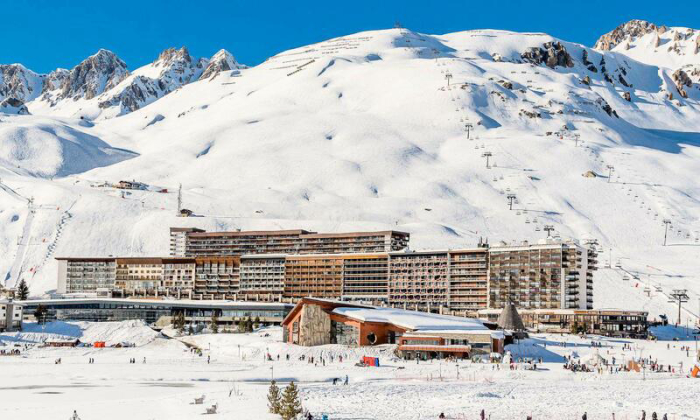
x=442 y=416
x=644 y=415
x=585 y=416
x=483 y=414
x=346 y=379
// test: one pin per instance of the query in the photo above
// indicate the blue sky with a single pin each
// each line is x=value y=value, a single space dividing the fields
x=45 y=34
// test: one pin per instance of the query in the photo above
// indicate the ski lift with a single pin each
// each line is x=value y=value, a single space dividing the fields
x=527 y=221
x=517 y=213
x=537 y=229
x=625 y=278
x=658 y=288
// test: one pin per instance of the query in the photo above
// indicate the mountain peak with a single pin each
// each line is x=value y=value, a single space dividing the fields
x=94 y=75
x=627 y=31
x=170 y=55
x=221 y=61
x=17 y=81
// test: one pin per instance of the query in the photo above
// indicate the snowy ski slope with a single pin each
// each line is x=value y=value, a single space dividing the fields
x=363 y=132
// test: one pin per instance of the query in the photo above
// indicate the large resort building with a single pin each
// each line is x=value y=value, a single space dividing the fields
x=364 y=267
x=551 y=275
x=192 y=242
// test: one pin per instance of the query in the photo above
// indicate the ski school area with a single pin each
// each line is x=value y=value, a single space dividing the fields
x=144 y=374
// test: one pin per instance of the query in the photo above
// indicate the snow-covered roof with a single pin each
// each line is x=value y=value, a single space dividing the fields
x=413 y=320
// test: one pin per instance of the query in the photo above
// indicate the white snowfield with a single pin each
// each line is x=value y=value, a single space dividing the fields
x=237 y=376
x=363 y=132
x=135 y=333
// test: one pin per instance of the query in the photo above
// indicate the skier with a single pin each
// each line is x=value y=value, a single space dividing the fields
x=644 y=415
x=346 y=379
x=654 y=416
x=74 y=416
x=442 y=416
x=483 y=414
x=585 y=416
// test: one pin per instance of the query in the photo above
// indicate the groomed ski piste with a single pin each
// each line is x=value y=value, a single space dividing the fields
x=168 y=375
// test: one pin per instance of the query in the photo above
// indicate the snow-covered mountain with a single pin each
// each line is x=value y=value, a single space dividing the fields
x=380 y=130
x=221 y=61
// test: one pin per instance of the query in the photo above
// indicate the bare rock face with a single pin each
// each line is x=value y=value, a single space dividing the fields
x=552 y=55
x=625 y=32
x=681 y=79
x=172 y=69
x=13 y=106
x=221 y=61
x=96 y=74
x=55 y=80
x=17 y=81
x=607 y=108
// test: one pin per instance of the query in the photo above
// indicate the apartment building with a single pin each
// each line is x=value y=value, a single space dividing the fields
x=217 y=277
x=468 y=280
x=154 y=276
x=319 y=276
x=262 y=276
x=190 y=242
x=86 y=275
x=366 y=277
x=547 y=275
x=419 y=280
x=10 y=315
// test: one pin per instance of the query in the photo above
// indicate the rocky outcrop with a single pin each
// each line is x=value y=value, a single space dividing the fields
x=13 y=106
x=681 y=79
x=55 y=80
x=552 y=55
x=626 y=96
x=17 y=81
x=96 y=74
x=172 y=69
x=606 y=107
x=589 y=65
x=221 y=61
x=625 y=32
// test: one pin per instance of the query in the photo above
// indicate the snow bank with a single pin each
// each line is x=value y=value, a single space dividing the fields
x=112 y=333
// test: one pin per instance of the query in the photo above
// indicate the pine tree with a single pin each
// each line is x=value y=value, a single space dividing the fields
x=256 y=323
x=179 y=322
x=22 y=290
x=291 y=403
x=274 y=399
x=214 y=325
x=249 y=325
x=40 y=314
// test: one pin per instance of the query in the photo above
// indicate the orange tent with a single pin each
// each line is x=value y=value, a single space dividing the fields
x=695 y=372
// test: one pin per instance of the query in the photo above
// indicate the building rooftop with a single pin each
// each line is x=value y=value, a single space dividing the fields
x=412 y=320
